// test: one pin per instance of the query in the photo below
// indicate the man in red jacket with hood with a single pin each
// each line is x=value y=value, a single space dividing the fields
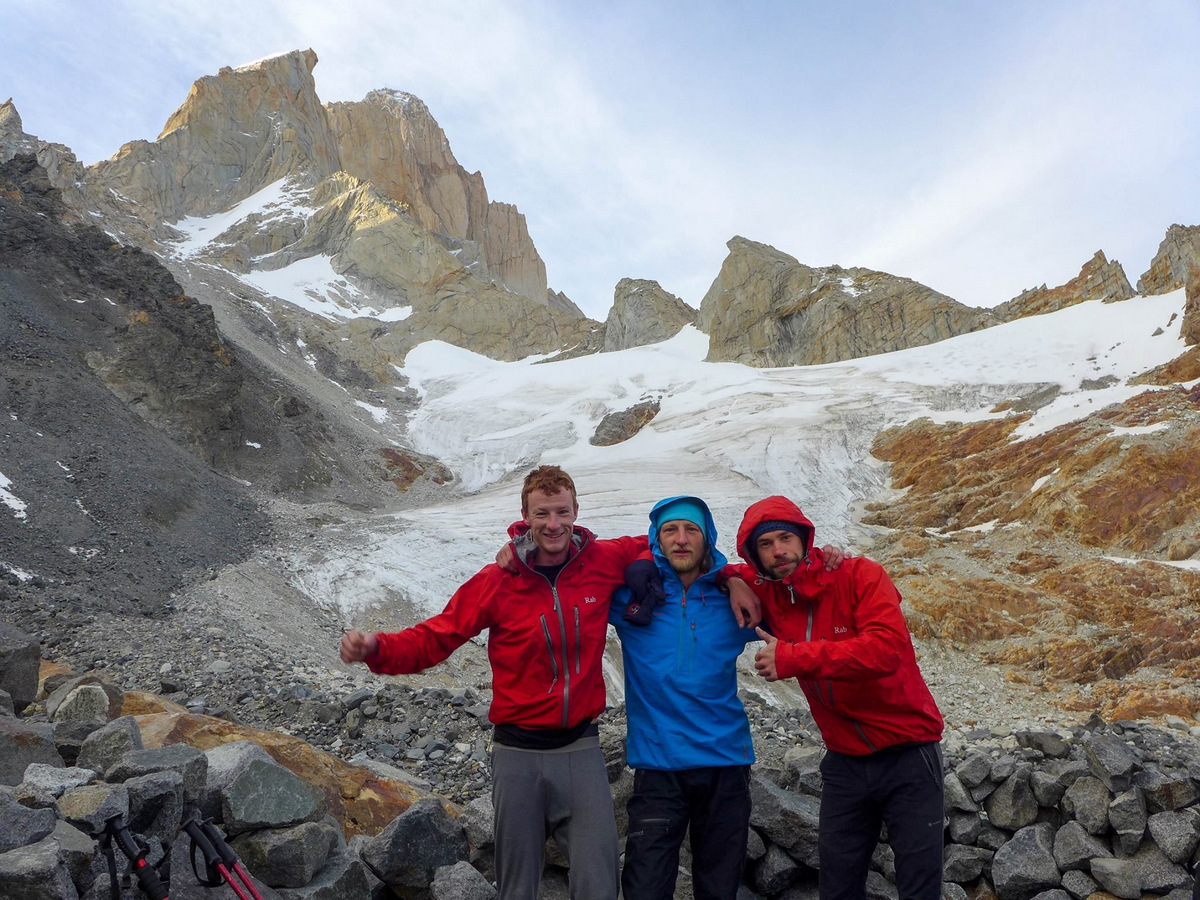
x=842 y=636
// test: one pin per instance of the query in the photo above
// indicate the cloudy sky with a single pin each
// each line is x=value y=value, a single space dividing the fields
x=981 y=148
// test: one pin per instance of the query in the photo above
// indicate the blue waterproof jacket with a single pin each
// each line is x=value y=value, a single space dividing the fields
x=680 y=670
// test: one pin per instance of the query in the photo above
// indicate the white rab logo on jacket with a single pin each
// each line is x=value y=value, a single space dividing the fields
x=840 y=629
x=589 y=599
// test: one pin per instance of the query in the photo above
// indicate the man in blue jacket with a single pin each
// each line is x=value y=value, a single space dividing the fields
x=688 y=735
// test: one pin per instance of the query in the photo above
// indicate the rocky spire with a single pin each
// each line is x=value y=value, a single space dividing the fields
x=1099 y=279
x=13 y=139
x=1178 y=253
x=643 y=313
x=238 y=131
x=767 y=309
x=391 y=140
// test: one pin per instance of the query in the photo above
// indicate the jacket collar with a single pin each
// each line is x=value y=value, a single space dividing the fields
x=523 y=545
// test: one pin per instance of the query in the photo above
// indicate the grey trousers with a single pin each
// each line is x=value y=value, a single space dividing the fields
x=562 y=794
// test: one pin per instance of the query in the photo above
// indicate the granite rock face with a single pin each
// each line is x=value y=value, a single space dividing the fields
x=1191 y=310
x=1177 y=255
x=390 y=140
x=1099 y=279
x=643 y=313
x=767 y=309
x=237 y=132
x=371 y=186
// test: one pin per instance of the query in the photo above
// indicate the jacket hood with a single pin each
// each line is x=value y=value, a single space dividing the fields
x=715 y=560
x=775 y=508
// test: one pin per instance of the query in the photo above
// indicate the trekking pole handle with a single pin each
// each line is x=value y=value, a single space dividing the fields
x=228 y=856
x=212 y=858
x=147 y=875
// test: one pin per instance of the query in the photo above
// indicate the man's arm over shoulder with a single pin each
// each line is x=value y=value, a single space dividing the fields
x=470 y=610
x=628 y=549
x=881 y=635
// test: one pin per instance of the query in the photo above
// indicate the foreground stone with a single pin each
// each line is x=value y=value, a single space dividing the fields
x=35 y=873
x=1025 y=865
x=104 y=748
x=20 y=826
x=362 y=801
x=406 y=855
x=287 y=857
x=266 y=795
x=460 y=881
x=22 y=744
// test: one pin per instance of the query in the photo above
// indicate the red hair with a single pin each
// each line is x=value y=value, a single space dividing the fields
x=548 y=480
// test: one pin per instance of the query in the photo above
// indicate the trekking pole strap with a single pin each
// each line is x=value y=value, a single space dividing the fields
x=215 y=870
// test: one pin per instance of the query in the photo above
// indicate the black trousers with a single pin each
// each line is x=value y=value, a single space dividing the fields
x=715 y=803
x=899 y=786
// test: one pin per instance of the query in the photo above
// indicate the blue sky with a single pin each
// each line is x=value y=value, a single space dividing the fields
x=980 y=148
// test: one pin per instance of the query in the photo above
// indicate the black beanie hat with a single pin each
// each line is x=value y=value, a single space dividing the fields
x=773 y=525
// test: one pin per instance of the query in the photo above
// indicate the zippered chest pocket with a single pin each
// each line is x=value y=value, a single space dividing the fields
x=550 y=653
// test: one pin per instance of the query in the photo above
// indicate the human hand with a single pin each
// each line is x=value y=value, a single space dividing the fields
x=747 y=608
x=834 y=556
x=507 y=559
x=764 y=659
x=356 y=646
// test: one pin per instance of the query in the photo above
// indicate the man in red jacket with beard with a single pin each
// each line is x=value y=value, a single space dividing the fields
x=547 y=621
x=842 y=636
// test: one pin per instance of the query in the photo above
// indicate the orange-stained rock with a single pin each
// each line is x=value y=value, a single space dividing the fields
x=1191 y=310
x=46 y=668
x=140 y=703
x=1113 y=701
x=361 y=800
x=1185 y=367
x=969 y=610
x=1028 y=586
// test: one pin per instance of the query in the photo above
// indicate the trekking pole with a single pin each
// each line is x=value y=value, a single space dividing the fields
x=115 y=829
x=219 y=859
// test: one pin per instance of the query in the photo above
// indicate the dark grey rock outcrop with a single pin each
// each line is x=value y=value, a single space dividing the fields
x=20 y=655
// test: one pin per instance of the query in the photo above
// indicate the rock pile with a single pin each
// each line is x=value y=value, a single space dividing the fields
x=75 y=764
x=1102 y=807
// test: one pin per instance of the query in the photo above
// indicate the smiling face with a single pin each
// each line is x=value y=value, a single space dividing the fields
x=682 y=543
x=780 y=552
x=550 y=518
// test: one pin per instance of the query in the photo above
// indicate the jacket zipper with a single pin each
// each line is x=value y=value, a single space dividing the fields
x=681 y=653
x=576 y=640
x=862 y=734
x=566 y=658
x=562 y=633
x=550 y=648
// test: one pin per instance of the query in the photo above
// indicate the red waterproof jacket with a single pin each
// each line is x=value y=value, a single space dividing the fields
x=545 y=641
x=843 y=637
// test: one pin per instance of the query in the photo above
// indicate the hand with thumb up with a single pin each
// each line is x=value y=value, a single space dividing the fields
x=764 y=659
